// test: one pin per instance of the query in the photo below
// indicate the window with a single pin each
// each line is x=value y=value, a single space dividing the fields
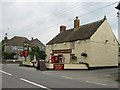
x=72 y=57
x=119 y=48
x=72 y=45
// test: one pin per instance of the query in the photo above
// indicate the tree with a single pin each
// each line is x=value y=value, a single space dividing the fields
x=9 y=55
x=42 y=55
x=35 y=51
x=2 y=46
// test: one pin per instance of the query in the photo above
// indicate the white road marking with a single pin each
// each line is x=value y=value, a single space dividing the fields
x=45 y=73
x=66 y=77
x=6 y=73
x=35 y=84
x=96 y=83
x=108 y=75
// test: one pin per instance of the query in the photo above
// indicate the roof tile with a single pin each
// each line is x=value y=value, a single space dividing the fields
x=83 y=32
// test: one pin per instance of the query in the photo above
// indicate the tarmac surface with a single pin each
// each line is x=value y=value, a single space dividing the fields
x=15 y=76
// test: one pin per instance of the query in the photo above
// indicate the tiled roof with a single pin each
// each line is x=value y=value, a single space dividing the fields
x=17 y=41
x=35 y=42
x=83 y=32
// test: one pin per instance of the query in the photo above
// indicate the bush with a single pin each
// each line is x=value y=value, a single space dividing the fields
x=7 y=55
x=35 y=51
x=42 y=55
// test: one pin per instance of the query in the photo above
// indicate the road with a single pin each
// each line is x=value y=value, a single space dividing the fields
x=14 y=76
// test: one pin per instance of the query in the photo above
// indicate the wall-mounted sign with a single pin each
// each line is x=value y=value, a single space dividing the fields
x=62 y=51
x=58 y=66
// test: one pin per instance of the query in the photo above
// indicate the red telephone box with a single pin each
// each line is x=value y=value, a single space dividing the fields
x=21 y=53
x=25 y=53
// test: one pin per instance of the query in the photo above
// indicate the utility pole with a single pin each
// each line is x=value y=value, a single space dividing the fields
x=118 y=15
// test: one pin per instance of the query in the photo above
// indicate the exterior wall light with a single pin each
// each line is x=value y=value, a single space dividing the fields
x=106 y=41
x=64 y=43
x=84 y=54
x=54 y=44
x=78 y=41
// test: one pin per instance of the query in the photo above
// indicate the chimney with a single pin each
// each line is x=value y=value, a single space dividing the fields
x=76 y=23
x=5 y=38
x=105 y=18
x=62 y=28
x=31 y=38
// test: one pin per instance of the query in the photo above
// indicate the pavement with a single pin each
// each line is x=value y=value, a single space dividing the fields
x=9 y=61
x=14 y=76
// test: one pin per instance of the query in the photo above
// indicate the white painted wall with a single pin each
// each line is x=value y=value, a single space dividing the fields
x=82 y=46
x=58 y=46
x=99 y=53
x=104 y=53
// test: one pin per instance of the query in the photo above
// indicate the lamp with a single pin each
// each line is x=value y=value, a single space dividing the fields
x=78 y=41
x=64 y=43
x=83 y=54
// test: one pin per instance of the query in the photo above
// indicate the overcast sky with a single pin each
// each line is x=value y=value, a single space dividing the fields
x=42 y=18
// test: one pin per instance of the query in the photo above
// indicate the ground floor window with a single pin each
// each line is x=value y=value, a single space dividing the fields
x=56 y=58
x=72 y=57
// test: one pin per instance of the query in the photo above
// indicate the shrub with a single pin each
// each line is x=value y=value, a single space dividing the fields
x=7 y=55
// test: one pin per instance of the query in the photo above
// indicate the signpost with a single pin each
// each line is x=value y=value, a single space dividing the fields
x=118 y=15
x=42 y=65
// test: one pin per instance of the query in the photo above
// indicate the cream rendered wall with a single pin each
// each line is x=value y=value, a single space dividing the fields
x=61 y=46
x=82 y=46
x=58 y=46
x=99 y=53
x=47 y=51
x=104 y=53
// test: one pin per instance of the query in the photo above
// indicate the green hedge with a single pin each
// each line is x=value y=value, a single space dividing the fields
x=7 y=55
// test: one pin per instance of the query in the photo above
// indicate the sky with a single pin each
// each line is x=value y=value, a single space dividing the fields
x=42 y=18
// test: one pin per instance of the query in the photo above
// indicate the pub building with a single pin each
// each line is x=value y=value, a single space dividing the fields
x=92 y=44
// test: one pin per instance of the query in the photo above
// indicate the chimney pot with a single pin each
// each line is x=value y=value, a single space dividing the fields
x=105 y=18
x=5 y=36
x=76 y=17
x=62 y=28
